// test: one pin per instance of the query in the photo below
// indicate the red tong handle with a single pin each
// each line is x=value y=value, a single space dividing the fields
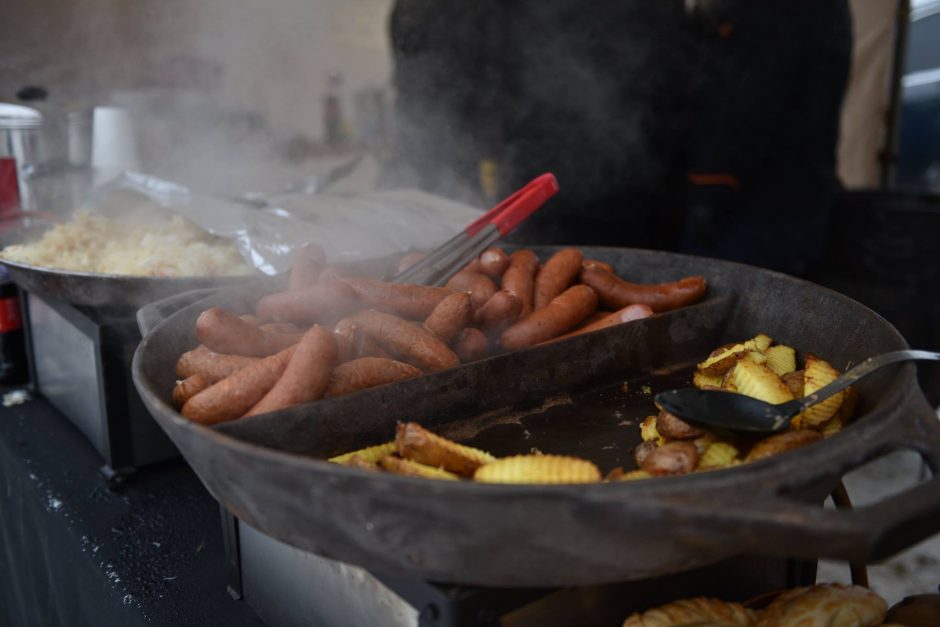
x=518 y=206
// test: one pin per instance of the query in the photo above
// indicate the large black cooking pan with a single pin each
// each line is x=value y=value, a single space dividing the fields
x=268 y=470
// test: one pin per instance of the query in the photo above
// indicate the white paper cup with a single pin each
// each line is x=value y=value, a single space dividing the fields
x=114 y=143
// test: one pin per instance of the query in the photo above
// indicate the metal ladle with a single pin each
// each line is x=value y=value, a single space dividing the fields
x=730 y=410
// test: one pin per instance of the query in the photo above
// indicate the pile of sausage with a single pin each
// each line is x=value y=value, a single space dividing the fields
x=329 y=334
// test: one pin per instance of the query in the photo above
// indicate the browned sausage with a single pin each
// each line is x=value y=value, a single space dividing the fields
x=557 y=275
x=306 y=375
x=226 y=333
x=409 y=341
x=616 y=293
x=480 y=286
x=367 y=372
x=280 y=327
x=499 y=312
x=353 y=343
x=411 y=301
x=450 y=316
x=493 y=262
x=627 y=314
x=409 y=259
x=324 y=303
x=306 y=268
x=471 y=345
x=250 y=319
x=519 y=277
x=209 y=365
x=231 y=397
x=672 y=458
x=188 y=388
x=594 y=263
x=562 y=314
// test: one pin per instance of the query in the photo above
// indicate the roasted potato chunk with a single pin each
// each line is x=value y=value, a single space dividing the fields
x=703 y=381
x=760 y=382
x=794 y=381
x=672 y=458
x=781 y=359
x=407 y=467
x=720 y=363
x=674 y=428
x=416 y=443
x=819 y=374
x=781 y=443
x=718 y=455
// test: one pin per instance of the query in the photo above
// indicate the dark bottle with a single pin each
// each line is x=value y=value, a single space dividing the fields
x=13 y=369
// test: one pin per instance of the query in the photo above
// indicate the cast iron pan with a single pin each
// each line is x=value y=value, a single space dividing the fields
x=267 y=470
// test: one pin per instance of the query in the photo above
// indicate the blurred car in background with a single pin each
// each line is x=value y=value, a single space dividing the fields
x=919 y=147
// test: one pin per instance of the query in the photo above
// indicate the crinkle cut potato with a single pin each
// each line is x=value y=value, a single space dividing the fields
x=758 y=368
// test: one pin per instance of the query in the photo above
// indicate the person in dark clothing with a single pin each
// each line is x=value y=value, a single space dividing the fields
x=641 y=109
x=762 y=163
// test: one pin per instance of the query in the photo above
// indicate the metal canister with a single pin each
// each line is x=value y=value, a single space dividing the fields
x=20 y=150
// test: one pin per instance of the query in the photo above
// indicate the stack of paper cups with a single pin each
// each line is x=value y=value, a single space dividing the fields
x=114 y=144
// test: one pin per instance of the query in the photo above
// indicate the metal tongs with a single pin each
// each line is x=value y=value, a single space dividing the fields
x=447 y=259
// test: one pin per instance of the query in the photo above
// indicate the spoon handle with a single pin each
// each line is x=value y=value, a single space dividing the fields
x=863 y=370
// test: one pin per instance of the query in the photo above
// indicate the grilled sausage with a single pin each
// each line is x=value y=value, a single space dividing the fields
x=234 y=395
x=306 y=375
x=223 y=332
x=187 y=388
x=323 y=303
x=562 y=314
x=450 y=316
x=627 y=314
x=499 y=312
x=471 y=345
x=480 y=286
x=409 y=341
x=594 y=263
x=519 y=277
x=367 y=372
x=209 y=365
x=616 y=293
x=409 y=259
x=415 y=302
x=305 y=271
x=557 y=275
x=493 y=262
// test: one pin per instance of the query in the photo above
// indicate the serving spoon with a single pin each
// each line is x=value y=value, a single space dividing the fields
x=730 y=410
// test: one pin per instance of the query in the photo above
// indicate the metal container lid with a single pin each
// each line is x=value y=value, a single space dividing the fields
x=17 y=116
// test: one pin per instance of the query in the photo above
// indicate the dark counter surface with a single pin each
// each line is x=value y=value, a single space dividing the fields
x=74 y=552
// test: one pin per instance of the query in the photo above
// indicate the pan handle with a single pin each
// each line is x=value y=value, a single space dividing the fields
x=152 y=314
x=780 y=526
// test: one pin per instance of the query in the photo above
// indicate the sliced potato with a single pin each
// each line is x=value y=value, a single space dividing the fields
x=781 y=359
x=760 y=382
x=794 y=381
x=756 y=357
x=370 y=455
x=649 y=432
x=719 y=364
x=633 y=475
x=782 y=442
x=718 y=455
x=849 y=405
x=819 y=374
x=832 y=426
x=416 y=443
x=357 y=462
x=727 y=382
x=703 y=381
x=760 y=342
x=538 y=469
x=407 y=467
